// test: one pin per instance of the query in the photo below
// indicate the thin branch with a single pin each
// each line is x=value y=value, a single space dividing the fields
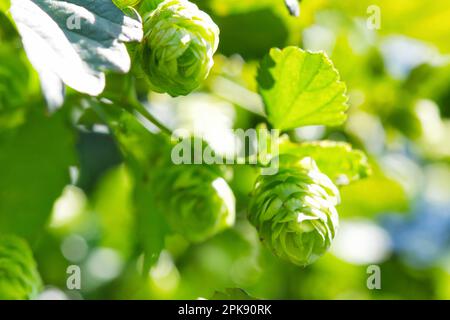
x=137 y=106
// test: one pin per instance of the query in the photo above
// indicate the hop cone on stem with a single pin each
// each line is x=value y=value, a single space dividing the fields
x=19 y=278
x=294 y=212
x=197 y=202
x=179 y=43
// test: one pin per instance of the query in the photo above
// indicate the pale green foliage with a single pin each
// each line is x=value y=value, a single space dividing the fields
x=19 y=278
x=301 y=88
x=67 y=44
x=14 y=79
x=294 y=211
x=179 y=43
x=126 y=3
x=113 y=204
x=430 y=19
x=336 y=159
x=4 y=5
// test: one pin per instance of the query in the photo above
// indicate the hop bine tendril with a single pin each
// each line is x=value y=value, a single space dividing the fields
x=294 y=211
x=178 y=47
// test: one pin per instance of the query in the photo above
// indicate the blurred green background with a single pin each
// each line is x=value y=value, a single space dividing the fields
x=65 y=188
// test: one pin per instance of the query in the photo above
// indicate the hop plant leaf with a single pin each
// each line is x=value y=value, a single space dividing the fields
x=294 y=211
x=19 y=278
x=14 y=79
x=179 y=43
x=126 y=3
x=301 y=88
x=338 y=160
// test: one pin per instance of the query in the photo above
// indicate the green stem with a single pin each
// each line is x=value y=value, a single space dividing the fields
x=137 y=106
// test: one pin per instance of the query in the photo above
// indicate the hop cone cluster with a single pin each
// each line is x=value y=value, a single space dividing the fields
x=197 y=202
x=179 y=43
x=19 y=278
x=294 y=212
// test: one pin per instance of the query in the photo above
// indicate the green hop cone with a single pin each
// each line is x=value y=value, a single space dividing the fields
x=178 y=47
x=294 y=211
x=19 y=278
x=197 y=202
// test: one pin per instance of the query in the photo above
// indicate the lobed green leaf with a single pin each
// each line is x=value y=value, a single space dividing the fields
x=336 y=159
x=301 y=88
